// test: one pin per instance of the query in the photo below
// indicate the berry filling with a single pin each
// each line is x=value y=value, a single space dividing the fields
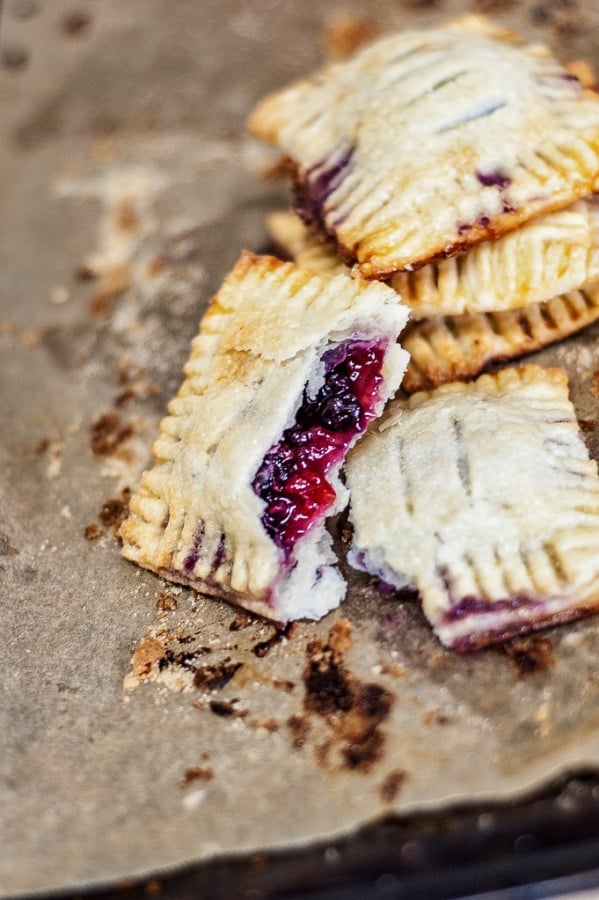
x=292 y=479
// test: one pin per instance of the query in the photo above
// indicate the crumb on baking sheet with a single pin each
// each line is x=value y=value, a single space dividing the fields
x=92 y=532
x=166 y=602
x=114 y=510
x=299 y=726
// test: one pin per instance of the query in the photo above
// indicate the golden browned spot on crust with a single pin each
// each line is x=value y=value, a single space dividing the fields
x=263 y=647
x=584 y=71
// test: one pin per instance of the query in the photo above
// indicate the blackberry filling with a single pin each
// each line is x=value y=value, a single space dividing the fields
x=292 y=479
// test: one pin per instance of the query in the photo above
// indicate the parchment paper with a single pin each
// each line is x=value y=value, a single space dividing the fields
x=128 y=189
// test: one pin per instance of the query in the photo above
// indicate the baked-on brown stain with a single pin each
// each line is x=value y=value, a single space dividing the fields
x=227 y=708
x=392 y=785
x=6 y=548
x=196 y=773
x=300 y=729
x=529 y=654
x=214 y=678
x=114 y=510
x=76 y=24
x=263 y=647
x=353 y=710
x=108 y=433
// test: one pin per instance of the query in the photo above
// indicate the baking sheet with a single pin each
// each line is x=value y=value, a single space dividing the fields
x=129 y=189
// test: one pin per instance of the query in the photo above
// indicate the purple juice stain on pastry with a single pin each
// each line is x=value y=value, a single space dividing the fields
x=292 y=477
x=221 y=554
x=473 y=606
x=194 y=553
x=312 y=190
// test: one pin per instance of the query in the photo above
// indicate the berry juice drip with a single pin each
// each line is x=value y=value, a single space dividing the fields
x=292 y=478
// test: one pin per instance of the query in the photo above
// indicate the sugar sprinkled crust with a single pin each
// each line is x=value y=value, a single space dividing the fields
x=485 y=502
x=196 y=517
x=427 y=142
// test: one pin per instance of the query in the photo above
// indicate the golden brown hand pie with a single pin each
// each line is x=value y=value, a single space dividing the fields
x=485 y=501
x=427 y=142
x=287 y=371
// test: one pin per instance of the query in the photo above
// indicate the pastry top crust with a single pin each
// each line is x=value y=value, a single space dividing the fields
x=195 y=517
x=427 y=142
x=489 y=500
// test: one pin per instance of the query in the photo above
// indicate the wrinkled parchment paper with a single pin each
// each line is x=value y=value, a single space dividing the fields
x=128 y=189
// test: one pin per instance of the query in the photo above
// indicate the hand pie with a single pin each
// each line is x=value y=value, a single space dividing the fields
x=287 y=371
x=552 y=255
x=485 y=502
x=427 y=142
x=445 y=348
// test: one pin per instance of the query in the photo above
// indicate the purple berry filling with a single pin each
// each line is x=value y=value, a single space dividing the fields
x=319 y=182
x=494 y=179
x=292 y=479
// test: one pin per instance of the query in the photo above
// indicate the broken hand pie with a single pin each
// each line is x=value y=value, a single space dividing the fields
x=288 y=369
x=427 y=142
x=485 y=502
